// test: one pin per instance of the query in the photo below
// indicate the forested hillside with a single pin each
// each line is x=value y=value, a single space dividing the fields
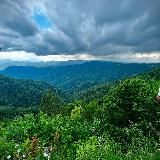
x=73 y=78
x=18 y=96
x=18 y=93
x=118 y=121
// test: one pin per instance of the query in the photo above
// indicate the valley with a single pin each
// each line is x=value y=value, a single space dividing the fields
x=112 y=118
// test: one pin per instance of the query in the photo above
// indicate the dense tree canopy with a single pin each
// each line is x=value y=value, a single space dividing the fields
x=18 y=97
x=51 y=103
x=133 y=100
x=75 y=78
x=121 y=125
x=20 y=93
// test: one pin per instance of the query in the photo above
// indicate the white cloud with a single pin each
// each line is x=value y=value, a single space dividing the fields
x=153 y=57
x=32 y=57
x=66 y=57
x=19 y=56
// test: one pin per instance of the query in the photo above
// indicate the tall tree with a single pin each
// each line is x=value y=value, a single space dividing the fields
x=51 y=104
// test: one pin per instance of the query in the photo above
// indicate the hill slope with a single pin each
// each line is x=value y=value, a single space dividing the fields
x=125 y=125
x=80 y=76
x=21 y=93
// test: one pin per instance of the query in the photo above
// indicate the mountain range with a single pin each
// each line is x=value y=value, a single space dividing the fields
x=77 y=77
x=7 y=63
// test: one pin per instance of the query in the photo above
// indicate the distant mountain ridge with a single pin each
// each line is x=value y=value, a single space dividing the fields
x=77 y=77
x=7 y=63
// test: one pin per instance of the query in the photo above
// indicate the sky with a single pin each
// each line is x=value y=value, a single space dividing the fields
x=61 y=30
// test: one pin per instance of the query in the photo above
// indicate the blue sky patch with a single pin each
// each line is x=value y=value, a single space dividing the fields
x=41 y=19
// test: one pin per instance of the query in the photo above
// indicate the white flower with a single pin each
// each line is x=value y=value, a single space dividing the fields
x=9 y=157
x=18 y=151
x=45 y=154
x=16 y=145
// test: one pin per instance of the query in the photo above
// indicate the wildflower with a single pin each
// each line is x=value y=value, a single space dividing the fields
x=16 y=145
x=18 y=151
x=9 y=157
x=46 y=154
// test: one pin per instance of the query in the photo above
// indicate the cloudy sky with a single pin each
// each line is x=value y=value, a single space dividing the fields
x=46 y=30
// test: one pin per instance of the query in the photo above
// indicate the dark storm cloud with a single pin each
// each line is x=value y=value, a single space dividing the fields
x=14 y=16
x=99 y=27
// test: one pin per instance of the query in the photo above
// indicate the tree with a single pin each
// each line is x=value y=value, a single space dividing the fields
x=50 y=104
x=132 y=101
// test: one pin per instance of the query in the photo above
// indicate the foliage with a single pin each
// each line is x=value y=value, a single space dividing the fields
x=133 y=100
x=50 y=103
x=78 y=77
x=7 y=112
x=93 y=149
x=131 y=111
x=63 y=137
x=94 y=93
x=21 y=93
x=122 y=125
x=30 y=136
x=19 y=97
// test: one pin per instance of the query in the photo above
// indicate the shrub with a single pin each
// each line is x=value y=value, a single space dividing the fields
x=132 y=101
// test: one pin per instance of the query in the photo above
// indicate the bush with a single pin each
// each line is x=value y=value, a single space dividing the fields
x=132 y=101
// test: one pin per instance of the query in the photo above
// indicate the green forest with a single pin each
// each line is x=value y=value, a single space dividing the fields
x=79 y=79
x=118 y=120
